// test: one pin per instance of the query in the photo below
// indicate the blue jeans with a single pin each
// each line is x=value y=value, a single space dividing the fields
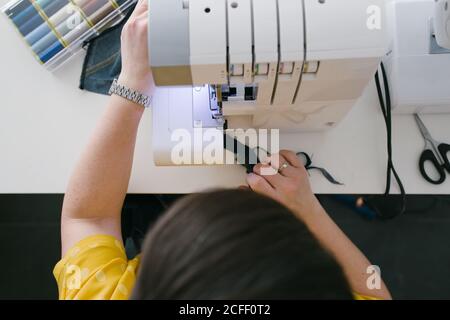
x=103 y=60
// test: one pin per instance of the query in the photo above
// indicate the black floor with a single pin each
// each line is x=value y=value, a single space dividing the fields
x=412 y=250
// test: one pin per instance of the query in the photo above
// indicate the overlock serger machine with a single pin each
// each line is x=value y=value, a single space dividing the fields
x=292 y=65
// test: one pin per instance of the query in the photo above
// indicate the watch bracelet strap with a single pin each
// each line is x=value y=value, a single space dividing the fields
x=130 y=94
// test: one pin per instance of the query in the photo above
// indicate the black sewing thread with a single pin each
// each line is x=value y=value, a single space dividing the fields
x=386 y=108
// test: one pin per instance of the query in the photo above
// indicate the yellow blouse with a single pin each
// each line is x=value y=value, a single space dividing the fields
x=96 y=268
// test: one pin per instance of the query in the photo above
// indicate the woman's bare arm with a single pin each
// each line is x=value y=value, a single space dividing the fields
x=99 y=182
x=291 y=187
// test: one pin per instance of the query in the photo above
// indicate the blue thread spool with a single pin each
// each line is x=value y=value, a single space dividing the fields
x=51 y=51
x=37 y=34
x=21 y=13
x=45 y=42
x=43 y=3
x=33 y=23
x=17 y=8
x=50 y=7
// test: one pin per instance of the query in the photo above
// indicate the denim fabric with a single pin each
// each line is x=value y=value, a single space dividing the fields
x=103 y=61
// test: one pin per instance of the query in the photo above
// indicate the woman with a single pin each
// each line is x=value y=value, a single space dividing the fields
x=271 y=241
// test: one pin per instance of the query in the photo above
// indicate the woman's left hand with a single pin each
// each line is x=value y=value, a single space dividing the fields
x=136 y=73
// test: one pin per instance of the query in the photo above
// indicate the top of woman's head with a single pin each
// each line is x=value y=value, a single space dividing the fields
x=235 y=245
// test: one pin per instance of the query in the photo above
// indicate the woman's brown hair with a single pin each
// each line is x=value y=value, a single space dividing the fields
x=235 y=245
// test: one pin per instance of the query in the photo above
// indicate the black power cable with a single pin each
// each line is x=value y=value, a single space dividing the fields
x=390 y=207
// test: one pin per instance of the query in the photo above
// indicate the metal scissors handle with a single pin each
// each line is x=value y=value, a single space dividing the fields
x=435 y=152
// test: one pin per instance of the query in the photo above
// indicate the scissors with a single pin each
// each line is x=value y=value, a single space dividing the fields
x=436 y=153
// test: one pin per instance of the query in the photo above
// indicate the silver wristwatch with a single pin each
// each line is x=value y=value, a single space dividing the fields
x=130 y=94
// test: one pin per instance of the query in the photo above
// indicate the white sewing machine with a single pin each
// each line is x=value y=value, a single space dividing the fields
x=293 y=65
x=418 y=63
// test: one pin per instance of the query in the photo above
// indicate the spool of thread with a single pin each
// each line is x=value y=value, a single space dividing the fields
x=51 y=51
x=54 y=20
x=76 y=33
x=16 y=8
x=69 y=25
x=38 y=34
x=21 y=13
x=45 y=3
x=48 y=26
x=60 y=16
x=82 y=3
x=32 y=23
x=44 y=43
x=50 y=7
x=94 y=6
x=101 y=13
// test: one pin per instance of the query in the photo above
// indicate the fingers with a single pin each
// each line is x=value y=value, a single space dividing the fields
x=284 y=172
x=140 y=12
x=142 y=16
x=281 y=164
x=289 y=171
x=141 y=7
x=277 y=161
x=274 y=179
x=142 y=21
x=292 y=158
x=137 y=23
x=260 y=185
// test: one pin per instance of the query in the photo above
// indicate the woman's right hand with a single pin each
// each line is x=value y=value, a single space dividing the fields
x=290 y=185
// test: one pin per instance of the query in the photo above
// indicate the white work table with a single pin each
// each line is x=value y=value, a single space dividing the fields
x=45 y=121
